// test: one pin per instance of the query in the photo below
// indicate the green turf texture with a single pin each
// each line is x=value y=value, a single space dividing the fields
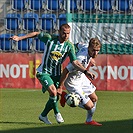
x=20 y=109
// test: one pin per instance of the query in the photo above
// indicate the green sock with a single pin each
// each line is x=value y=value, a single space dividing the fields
x=55 y=104
x=47 y=108
x=51 y=104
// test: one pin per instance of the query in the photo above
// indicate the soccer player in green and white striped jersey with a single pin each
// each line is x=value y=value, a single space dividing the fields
x=57 y=48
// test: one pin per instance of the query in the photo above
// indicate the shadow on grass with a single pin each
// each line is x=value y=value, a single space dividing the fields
x=125 y=126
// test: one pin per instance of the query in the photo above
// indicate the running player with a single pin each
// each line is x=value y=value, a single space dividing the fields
x=77 y=81
x=57 y=48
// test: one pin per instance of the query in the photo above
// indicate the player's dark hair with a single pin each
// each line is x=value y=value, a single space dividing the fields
x=65 y=26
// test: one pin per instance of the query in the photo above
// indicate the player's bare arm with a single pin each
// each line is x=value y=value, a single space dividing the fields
x=79 y=67
x=30 y=35
x=93 y=62
x=62 y=79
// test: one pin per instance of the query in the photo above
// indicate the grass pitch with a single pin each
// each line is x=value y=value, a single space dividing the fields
x=20 y=109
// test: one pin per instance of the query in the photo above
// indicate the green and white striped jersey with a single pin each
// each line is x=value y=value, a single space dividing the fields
x=54 y=54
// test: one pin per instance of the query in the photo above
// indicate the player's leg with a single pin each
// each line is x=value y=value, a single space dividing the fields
x=63 y=99
x=48 y=85
x=58 y=116
x=90 y=112
x=90 y=106
x=84 y=92
x=52 y=103
x=70 y=87
x=89 y=90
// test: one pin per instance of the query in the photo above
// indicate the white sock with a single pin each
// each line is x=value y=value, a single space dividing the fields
x=90 y=113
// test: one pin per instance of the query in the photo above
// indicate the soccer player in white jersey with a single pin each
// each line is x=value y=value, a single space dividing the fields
x=76 y=81
x=57 y=48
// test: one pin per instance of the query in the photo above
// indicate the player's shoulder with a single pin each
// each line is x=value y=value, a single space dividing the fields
x=69 y=42
x=81 y=46
x=54 y=36
x=44 y=35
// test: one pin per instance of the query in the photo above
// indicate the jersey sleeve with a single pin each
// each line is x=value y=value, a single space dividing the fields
x=70 y=67
x=44 y=37
x=71 y=53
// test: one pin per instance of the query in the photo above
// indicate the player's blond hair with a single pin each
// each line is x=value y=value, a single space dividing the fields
x=95 y=42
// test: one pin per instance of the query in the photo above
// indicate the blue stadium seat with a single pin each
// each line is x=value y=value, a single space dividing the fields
x=30 y=21
x=19 y=4
x=74 y=5
x=13 y=21
x=36 y=4
x=25 y=44
x=123 y=5
x=39 y=45
x=88 y=5
x=48 y=22
x=54 y=5
x=106 y=5
x=62 y=19
x=5 y=42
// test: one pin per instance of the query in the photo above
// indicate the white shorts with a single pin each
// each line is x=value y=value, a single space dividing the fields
x=82 y=86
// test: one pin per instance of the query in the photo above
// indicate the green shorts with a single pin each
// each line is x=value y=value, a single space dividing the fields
x=46 y=80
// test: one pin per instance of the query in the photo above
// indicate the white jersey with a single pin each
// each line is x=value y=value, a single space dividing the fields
x=84 y=58
x=76 y=80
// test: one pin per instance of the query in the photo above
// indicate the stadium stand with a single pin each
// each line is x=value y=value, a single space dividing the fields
x=13 y=21
x=19 y=4
x=24 y=45
x=105 y=5
x=24 y=16
x=54 y=5
x=116 y=49
x=5 y=42
x=30 y=21
x=88 y=5
x=74 y=5
x=123 y=5
x=48 y=22
x=36 y=4
x=39 y=45
x=62 y=19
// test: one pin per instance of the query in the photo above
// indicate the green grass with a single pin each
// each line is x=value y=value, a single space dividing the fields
x=20 y=109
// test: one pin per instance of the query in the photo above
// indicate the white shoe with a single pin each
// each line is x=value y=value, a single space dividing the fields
x=59 y=118
x=44 y=119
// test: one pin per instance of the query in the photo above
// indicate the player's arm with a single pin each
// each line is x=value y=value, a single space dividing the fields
x=78 y=65
x=30 y=35
x=62 y=79
x=92 y=62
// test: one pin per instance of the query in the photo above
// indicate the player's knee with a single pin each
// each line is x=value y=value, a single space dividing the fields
x=94 y=99
x=53 y=93
x=89 y=105
x=52 y=90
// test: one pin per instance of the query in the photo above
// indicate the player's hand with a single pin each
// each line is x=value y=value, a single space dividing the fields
x=91 y=75
x=15 y=38
x=59 y=90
